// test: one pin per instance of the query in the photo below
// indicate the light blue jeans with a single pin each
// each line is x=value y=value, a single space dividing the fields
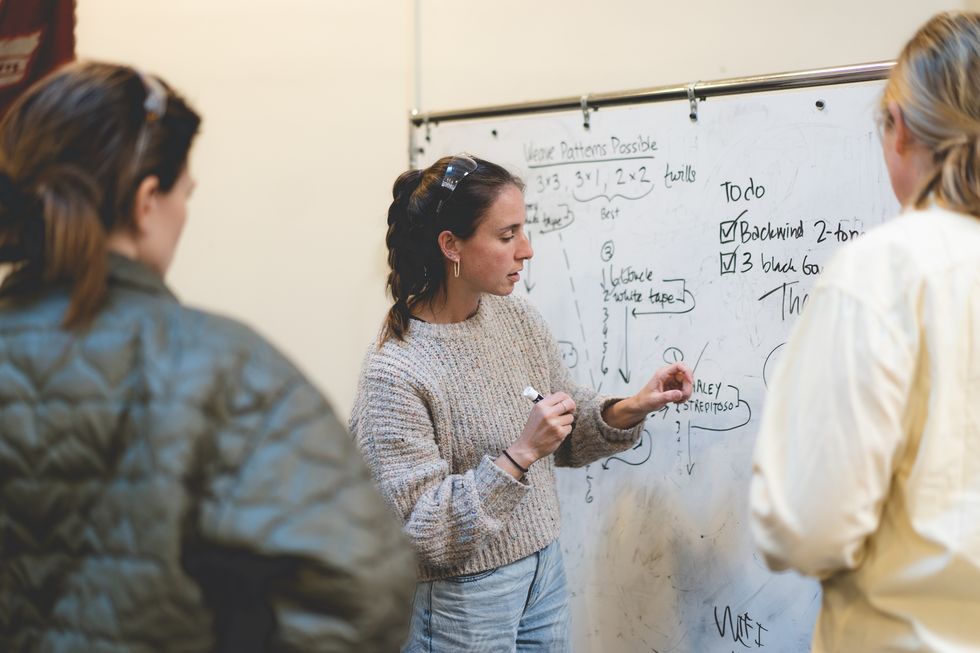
x=520 y=607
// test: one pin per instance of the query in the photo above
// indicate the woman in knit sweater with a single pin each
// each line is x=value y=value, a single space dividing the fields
x=457 y=451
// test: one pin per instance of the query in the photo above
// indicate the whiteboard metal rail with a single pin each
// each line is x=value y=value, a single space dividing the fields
x=735 y=85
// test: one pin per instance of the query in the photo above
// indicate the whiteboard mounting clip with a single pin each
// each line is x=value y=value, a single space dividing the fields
x=692 y=98
x=584 y=103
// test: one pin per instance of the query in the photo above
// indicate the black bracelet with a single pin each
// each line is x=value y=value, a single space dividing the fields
x=516 y=464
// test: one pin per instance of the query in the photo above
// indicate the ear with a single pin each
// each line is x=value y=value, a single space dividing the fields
x=144 y=202
x=903 y=137
x=449 y=244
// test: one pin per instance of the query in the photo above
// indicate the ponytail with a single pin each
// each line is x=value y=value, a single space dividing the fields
x=53 y=236
x=409 y=278
x=75 y=240
x=955 y=183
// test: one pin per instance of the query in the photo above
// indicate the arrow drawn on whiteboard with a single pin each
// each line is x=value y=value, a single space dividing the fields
x=683 y=302
x=690 y=463
x=626 y=346
x=643 y=443
x=578 y=310
x=527 y=269
x=551 y=223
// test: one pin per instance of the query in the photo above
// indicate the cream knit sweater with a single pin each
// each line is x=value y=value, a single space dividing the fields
x=433 y=412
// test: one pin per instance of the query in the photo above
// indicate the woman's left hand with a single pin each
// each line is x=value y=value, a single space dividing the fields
x=670 y=384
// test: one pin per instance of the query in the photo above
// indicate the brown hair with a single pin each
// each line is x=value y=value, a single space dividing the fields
x=69 y=172
x=936 y=83
x=421 y=210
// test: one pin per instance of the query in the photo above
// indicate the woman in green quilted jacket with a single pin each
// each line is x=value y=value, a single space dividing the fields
x=168 y=480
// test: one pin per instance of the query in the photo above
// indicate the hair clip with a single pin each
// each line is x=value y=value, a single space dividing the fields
x=459 y=167
x=155 y=103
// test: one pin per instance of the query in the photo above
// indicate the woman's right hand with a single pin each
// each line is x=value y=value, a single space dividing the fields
x=547 y=426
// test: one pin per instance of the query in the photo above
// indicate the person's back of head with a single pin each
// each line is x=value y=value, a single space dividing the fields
x=74 y=150
x=936 y=85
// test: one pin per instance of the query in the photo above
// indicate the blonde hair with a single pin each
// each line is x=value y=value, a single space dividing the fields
x=936 y=84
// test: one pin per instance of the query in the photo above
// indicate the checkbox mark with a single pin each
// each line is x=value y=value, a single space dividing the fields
x=727 y=262
x=726 y=231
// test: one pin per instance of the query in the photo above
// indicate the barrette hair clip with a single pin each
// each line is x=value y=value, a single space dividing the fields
x=155 y=103
x=460 y=167
x=155 y=106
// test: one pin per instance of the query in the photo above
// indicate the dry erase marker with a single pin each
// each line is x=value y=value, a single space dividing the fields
x=532 y=394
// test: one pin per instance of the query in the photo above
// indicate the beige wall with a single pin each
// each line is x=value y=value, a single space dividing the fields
x=514 y=50
x=305 y=105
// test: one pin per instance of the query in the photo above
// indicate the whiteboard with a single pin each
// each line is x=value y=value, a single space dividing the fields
x=659 y=239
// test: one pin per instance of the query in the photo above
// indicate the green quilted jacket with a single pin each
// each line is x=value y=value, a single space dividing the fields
x=170 y=482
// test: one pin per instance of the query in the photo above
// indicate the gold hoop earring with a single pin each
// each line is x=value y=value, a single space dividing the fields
x=456 y=268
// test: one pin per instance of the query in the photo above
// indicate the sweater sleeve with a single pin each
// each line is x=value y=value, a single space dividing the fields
x=591 y=437
x=293 y=500
x=447 y=516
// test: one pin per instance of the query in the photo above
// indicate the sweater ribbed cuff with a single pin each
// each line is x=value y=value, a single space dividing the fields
x=611 y=433
x=499 y=492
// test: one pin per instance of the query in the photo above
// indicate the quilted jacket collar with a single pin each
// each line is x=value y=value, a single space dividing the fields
x=136 y=276
x=123 y=271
